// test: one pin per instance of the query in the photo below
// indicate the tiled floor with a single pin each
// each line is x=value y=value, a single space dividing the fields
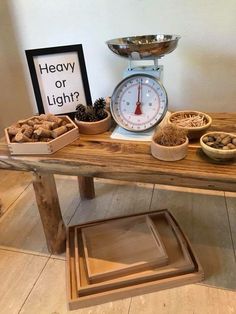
x=33 y=281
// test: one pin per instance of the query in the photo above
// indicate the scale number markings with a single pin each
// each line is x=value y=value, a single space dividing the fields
x=138 y=102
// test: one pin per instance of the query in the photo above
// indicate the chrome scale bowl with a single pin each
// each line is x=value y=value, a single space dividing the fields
x=144 y=47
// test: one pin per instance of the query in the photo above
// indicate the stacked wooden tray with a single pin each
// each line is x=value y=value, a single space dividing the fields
x=126 y=256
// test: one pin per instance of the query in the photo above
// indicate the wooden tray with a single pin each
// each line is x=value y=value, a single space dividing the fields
x=180 y=261
x=81 y=293
x=120 y=247
x=43 y=147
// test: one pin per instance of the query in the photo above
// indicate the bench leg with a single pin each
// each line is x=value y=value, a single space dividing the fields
x=86 y=187
x=50 y=212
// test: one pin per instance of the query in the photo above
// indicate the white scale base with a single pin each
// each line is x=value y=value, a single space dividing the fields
x=121 y=134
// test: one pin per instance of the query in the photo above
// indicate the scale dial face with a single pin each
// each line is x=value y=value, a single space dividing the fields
x=139 y=102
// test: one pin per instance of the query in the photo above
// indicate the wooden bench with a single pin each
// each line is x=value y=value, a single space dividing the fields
x=100 y=156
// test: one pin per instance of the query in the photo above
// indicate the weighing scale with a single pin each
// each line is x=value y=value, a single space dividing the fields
x=139 y=101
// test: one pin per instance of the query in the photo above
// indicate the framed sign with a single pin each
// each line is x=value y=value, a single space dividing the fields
x=59 y=78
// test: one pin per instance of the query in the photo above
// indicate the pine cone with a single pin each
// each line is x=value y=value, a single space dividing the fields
x=100 y=103
x=101 y=114
x=81 y=114
x=80 y=108
x=91 y=116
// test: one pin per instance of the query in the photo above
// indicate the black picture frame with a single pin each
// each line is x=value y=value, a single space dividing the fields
x=59 y=50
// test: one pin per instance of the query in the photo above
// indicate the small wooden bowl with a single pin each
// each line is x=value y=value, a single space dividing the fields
x=96 y=127
x=193 y=132
x=216 y=153
x=169 y=153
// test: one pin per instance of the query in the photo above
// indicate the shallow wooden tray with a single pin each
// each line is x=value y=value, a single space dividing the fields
x=180 y=261
x=124 y=246
x=82 y=294
x=37 y=148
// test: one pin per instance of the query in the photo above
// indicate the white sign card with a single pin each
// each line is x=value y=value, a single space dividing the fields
x=59 y=78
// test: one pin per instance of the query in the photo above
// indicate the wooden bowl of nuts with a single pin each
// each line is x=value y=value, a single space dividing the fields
x=195 y=123
x=219 y=145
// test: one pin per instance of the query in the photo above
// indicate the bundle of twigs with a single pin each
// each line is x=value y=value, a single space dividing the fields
x=170 y=135
x=189 y=120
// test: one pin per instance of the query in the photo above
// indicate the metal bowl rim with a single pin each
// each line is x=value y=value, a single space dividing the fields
x=111 y=41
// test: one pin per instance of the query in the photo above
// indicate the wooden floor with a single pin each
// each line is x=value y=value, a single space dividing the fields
x=32 y=281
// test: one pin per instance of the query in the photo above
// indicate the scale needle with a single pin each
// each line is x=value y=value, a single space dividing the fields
x=138 y=110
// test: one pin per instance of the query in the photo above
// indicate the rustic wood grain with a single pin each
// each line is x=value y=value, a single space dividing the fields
x=110 y=249
x=86 y=187
x=179 y=262
x=99 y=156
x=50 y=212
x=120 y=292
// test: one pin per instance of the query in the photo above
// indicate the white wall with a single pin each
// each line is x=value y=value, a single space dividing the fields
x=14 y=100
x=200 y=74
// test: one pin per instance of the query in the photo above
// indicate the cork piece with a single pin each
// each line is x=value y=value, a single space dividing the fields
x=25 y=127
x=25 y=121
x=64 y=123
x=41 y=128
x=69 y=126
x=42 y=125
x=12 y=130
x=51 y=124
x=59 y=131
x=31 y=122
x=51 y=118
x=28 y=132
x=20 y=138
x=43 y=132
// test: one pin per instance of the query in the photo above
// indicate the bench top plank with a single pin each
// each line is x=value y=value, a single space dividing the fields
x=101 y=156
